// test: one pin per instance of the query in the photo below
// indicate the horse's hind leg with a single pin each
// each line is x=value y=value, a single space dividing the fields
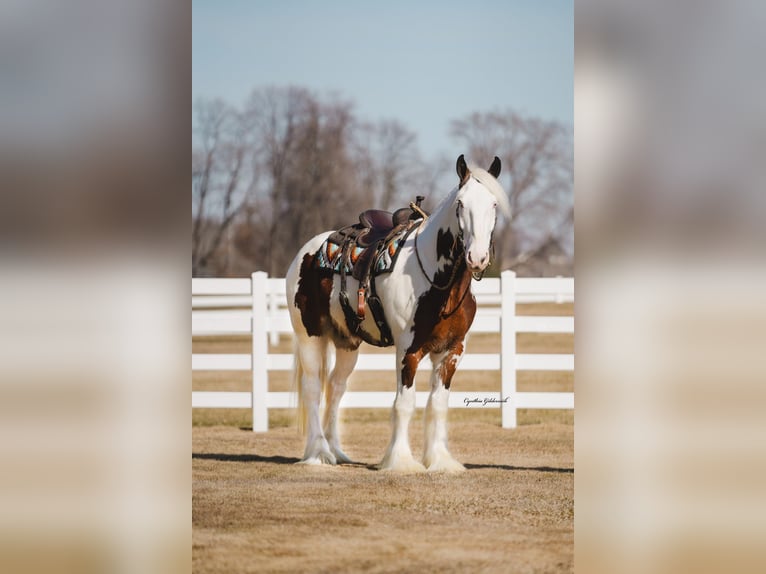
x=312 y=354
x=345 y=361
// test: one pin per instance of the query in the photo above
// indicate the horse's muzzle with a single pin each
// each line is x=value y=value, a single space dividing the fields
x=477 y=263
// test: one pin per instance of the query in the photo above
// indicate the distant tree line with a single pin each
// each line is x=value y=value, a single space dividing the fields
x=286 y=165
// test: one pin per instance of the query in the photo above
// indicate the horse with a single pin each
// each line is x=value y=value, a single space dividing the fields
x=428 y=306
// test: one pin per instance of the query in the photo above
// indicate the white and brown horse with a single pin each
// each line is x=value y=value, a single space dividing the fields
x=429 y=308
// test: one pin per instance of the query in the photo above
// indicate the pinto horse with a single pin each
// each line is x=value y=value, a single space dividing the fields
x=428 y=306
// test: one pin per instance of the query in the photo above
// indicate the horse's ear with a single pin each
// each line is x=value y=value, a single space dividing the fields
x=494 y=169
x=462 y=169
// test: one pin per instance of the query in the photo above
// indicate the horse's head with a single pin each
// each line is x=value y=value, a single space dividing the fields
x=479 y=199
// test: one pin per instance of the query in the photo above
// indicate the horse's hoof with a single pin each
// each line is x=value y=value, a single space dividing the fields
x=443 y=463
x=318 y=452
x=324 y=457
x=341 y=457
x=318 y=460
x=401 y=464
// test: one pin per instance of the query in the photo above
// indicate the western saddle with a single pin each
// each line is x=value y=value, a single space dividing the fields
x=361 y=245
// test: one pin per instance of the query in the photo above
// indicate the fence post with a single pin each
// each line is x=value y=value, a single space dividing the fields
x=508 y=347
x=260 y=352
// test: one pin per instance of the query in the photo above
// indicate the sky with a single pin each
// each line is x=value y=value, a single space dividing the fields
x=423 y=63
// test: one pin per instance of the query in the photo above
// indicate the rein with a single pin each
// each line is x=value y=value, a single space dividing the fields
x=420 y=264
x=478 y=276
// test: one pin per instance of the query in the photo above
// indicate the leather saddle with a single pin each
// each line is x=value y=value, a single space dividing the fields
x=360 y=245
x=364 y=238
x=378 y=224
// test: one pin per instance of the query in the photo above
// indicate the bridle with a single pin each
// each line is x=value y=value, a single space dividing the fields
x=480 y=275
x=459 y=244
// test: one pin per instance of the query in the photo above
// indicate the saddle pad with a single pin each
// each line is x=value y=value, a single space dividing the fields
x=330 y=255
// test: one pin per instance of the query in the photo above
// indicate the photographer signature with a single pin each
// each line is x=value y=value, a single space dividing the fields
x=485 y=401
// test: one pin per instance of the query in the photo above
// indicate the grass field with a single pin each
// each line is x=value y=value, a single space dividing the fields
x=511 y=511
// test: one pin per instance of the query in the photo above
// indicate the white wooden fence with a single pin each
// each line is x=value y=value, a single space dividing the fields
x=215 y=301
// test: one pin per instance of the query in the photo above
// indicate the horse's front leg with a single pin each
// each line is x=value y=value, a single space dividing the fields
x=398 y=455
x=436 y=456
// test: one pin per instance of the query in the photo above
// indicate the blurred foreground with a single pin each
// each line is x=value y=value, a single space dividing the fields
x=94 y=401
x=671 y=287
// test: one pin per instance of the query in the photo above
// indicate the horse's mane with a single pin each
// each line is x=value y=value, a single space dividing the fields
x=488 y=181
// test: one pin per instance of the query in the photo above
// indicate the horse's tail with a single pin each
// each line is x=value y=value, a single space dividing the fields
x=298 y=375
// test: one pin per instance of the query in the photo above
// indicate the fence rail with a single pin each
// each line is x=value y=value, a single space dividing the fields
x=215 y=312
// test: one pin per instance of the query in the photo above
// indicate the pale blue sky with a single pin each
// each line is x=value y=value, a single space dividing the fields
x=423 y=63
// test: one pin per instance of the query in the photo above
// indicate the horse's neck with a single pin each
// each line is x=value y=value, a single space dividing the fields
x=442 y=219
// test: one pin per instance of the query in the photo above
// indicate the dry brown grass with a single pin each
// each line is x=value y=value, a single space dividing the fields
x=511 y=511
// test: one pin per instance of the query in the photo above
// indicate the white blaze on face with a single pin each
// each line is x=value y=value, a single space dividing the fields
x=476 y=213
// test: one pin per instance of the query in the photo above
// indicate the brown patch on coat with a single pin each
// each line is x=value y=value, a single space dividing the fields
x=341 y=340
x=313 y=300
x=442 y=319
x=449 y=364
x=313 y=295
x=409 y=367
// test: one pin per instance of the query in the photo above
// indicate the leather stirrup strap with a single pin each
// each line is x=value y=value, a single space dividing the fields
x=360 y=302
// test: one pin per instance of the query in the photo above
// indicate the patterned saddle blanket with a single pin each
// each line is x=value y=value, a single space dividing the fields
x=364 y=251
x=357 y=260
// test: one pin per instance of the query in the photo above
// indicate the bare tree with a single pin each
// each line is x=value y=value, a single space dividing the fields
x=218 y=174
x=537 y=170
x=277 y=115
x=289 y=165
x=390 y=166
x=310 y=181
